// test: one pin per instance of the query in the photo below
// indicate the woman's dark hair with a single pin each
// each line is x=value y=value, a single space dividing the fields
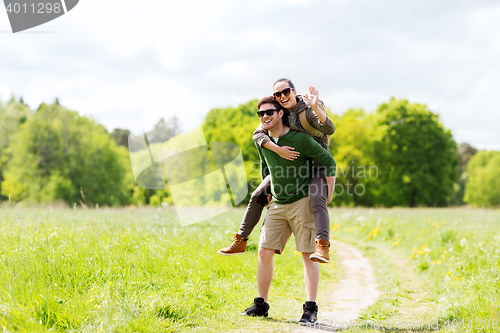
x=286 y=114
x=285 y=80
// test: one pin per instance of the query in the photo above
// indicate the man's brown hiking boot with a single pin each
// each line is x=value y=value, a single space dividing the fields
x=237 y=246
x=322 y=251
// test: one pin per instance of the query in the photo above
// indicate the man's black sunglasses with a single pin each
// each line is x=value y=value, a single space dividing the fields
x=269 y=112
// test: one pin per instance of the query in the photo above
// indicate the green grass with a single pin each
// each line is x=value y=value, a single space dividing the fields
x=135 y=270
x=434 y=265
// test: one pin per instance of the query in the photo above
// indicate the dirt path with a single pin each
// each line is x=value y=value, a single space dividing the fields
x=356 y=290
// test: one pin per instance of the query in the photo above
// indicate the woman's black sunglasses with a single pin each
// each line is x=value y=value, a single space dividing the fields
x=285 y=92
x=269 y=112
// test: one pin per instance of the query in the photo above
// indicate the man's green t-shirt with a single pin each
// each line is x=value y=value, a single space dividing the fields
x=290 y=179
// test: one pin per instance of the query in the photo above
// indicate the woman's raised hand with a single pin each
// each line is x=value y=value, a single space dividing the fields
x=312 y=97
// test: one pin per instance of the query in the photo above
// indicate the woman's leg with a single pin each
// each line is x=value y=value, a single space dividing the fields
x=258 y=201
x=318 y=191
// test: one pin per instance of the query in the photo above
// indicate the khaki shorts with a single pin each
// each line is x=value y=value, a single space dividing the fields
x=284 y=219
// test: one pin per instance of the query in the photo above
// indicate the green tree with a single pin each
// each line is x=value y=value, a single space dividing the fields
x=121 y=136
x=12 y=115
x=164 y=130
x=59 y=155
x=351 y=146
x=237 y=125
x=415 y=155
x=464 y=154
x=483 y=187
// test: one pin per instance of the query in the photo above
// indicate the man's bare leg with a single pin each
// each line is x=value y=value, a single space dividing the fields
x=265 y=268
x=260 y=307
x=311 y=277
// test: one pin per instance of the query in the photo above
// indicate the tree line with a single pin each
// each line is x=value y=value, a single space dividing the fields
x=399 y=155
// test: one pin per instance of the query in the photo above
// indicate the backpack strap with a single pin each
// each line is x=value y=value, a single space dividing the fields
x=307 y=126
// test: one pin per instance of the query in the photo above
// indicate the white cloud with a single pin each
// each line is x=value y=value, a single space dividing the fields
x=140 y=104
x=341 y=100
x=129 y=63
x=5 y=91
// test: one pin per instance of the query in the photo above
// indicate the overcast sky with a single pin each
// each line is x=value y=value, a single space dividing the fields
x=128 y=63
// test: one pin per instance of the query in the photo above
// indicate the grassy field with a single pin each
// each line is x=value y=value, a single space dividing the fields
x=136 y=270
x=434 y=265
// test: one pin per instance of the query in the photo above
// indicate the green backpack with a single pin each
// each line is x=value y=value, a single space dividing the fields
x=311 y=130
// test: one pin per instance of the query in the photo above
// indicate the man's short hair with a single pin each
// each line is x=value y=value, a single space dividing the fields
x=269 y=100
x=273 y=101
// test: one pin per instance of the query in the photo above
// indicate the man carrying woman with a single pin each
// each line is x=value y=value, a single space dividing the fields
x=290 y=210
x=320 y=187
